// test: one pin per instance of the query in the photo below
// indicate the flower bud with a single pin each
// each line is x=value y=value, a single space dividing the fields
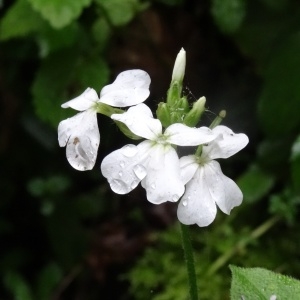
x=179 y=66
x=193 y=116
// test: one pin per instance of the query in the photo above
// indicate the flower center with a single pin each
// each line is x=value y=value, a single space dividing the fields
x=201 y=160
x=162 y=140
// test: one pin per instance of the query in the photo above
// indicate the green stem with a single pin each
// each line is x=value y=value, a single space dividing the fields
x=189 y=260
x=256 y=233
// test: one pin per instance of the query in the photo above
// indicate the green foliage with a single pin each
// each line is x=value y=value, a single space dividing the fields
x=47 y=281
x=280 y=95
x=20 y=21
x=255 y=183
x=18 y=287
x=58 y=71
x=261 y=284
x=59 y=13
x=228 y=14
x=120 y=12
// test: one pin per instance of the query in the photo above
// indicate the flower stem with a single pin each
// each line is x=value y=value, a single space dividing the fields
x=256 y=233
x=189 y=260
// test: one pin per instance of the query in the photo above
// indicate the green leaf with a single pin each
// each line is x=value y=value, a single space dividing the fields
x=19 y=21
x=261 y=284
x=49 y=87
x=101 y=32
x=51 y=40
x=255 y=183
x=60 y=13
x=228 y=14
x=48 y=279
x=93 y=72
x=286 y=205
x=263 y=30
x=17 y=286
x=279 y=103
x=120 y=12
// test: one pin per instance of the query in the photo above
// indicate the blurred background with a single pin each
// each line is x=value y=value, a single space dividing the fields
x=63 y=233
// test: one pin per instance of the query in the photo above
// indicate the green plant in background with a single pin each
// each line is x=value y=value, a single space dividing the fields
x=58 y=49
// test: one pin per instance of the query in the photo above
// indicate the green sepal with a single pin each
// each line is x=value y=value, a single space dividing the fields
x=179 y=110
x=127 y=131
x=192 y=118
x=174 y=92
x=163 y=114
x=107 y=110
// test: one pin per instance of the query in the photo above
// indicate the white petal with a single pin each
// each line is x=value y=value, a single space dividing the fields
x=81 y=136
x=83 y=102
x=140 y=121
x=188 y=167
x=182 y=135
x=130 y=88
x=226 y=144
x=223 y=190
x=197 y=206
x=124 y=168
x=163 y=182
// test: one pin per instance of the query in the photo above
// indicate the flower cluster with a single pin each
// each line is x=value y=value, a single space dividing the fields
x=197 y=179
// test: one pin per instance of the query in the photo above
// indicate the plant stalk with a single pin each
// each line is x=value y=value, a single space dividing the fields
x=189 y=260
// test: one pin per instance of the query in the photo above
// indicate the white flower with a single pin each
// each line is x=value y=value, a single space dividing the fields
x=206 y=185
x=80 y=133
x=154 y=161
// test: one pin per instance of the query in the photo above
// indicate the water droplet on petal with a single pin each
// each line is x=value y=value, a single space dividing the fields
x=153 y=186
x=120 y=174
x=139 y=171
x=134 y=184
x=122 y=164
x=184 y=203
x=118 y=186
x=129 y=150
x=175 y=198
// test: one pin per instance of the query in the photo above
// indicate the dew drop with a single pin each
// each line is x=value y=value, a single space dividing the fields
x=122 y=164
x=175 y=198
x=139 y=171
x=153 y=186
x=134 y=184
x=129 y=150
x=118 y=186
x=120 y=174
x=184 y=203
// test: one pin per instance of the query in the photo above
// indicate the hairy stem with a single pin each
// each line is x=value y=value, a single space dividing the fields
x=189 y=260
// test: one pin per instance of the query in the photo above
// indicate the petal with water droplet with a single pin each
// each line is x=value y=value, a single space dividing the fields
x=81 y=137
x=197 y=205
x=226 y=143
x=163 y=175
x=123 y=171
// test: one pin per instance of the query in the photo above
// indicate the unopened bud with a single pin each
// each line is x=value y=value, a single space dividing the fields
x=193 y=116
x=179 y=66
